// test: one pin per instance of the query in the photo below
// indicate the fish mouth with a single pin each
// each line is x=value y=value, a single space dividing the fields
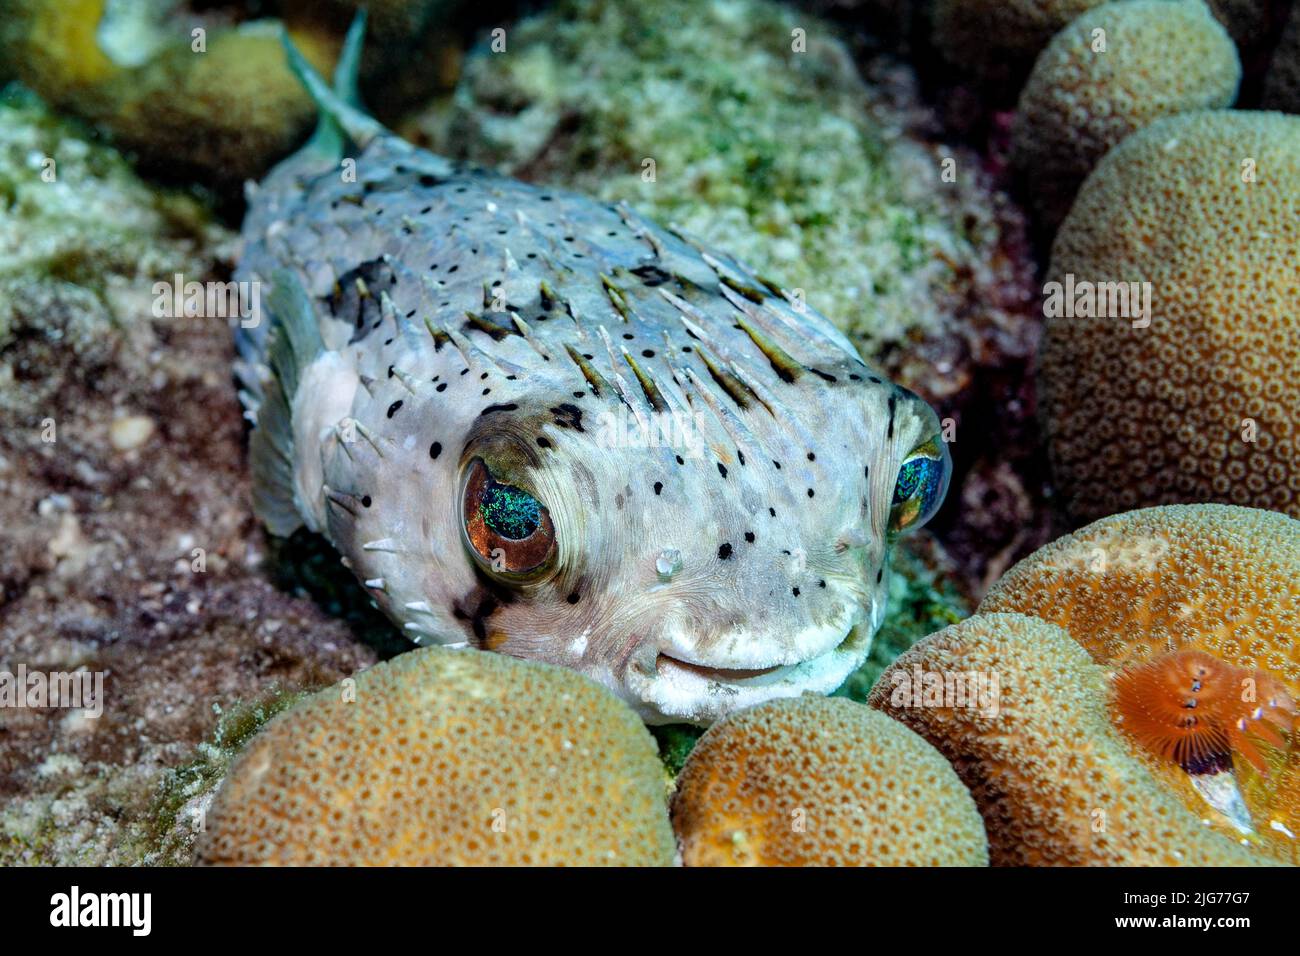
x=677 y=690
x=731 y=674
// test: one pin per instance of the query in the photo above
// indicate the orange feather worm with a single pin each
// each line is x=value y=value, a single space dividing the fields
x=1194 y=709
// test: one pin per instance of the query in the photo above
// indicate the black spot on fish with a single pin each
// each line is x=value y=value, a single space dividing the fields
x=893 y=407
x=823 y=375
x=777 y=463
x=492 y=409
x=681 y=460
x=574 y=598
x=392 y=409
x=749 y=536
x=659 y=487
x=543 y=441
x=811 y=456
x=810 y=492
x=772 y=512
x=441 y=388
x=722 y=469
x=741 y=456
x=365 y=501
x=435 y=450
x=795 y=591
x=568 y=416
x=724 y=552
x=650 y=275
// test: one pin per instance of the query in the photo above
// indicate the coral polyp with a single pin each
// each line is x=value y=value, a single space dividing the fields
x=1200 y=712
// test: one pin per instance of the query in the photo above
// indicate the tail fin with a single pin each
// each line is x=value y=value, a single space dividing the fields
x=342 y=118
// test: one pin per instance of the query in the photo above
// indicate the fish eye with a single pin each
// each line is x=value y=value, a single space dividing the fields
x=922 y=483
x=508 y=530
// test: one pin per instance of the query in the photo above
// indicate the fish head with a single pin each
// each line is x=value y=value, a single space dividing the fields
x=696 y=565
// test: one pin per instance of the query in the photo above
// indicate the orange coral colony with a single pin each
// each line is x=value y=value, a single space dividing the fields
x=1191 y=708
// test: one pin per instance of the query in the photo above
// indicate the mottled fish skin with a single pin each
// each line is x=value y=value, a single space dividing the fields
x=467 y=316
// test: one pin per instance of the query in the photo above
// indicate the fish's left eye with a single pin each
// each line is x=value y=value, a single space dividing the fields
x=921 y=485
x=508 y=529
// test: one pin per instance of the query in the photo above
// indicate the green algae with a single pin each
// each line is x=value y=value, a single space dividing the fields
x=171 y=830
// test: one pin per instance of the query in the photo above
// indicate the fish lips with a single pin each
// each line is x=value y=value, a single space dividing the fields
x=666 y=688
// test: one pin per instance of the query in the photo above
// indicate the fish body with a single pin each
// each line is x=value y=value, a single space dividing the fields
x=542 y=425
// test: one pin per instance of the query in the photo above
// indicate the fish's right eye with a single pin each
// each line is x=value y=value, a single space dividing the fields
x=920 y=487
x=506 y=527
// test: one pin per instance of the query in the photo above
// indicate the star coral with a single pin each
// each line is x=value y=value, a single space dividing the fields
x=1214 y=578
x=1194 y=400
x=1081 y=99
x=1055 y=782
x=822 y=782
x=447 y=757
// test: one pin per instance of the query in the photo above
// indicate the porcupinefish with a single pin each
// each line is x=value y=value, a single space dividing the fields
x=542 y=425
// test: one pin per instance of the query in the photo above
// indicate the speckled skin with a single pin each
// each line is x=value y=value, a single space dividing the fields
x=481 y=300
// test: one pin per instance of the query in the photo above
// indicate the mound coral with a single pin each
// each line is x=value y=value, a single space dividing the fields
x=222 y=116
x=1212 y=578
x=822 y=781
x=216 y=103
x=1172 y=332
x=1111 y=71
x=447 y=757
x=1129 y=587
x=1055 y=782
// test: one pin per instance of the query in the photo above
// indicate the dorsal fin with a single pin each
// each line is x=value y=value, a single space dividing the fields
x=342 y=118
